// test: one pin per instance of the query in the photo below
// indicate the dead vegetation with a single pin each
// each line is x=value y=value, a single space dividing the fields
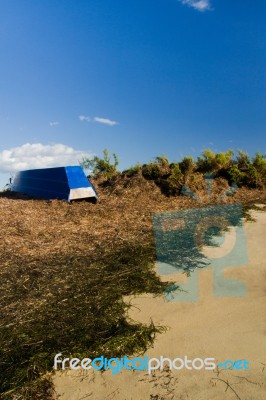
x=66 y=267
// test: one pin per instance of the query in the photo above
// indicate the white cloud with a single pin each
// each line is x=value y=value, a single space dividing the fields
x=100 y=120
x=37 y=155
x=200 y=5
x=105 y=121
x=84 y=118
x=54 y=123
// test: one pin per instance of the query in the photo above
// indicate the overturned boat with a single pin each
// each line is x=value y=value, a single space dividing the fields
x=62 y=183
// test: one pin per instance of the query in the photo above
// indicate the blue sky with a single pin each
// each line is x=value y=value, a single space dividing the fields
x=139 y=77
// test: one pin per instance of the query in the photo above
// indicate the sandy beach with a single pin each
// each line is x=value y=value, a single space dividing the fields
x=218 y=327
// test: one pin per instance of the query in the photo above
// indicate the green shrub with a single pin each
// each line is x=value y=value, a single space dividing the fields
x=259 y=163
x=167 y=176
x=252 y=177
x=157 y=169
x=243 y=160
x=134 y=170
x=206 y=163
x=247 y=172
x=162 y=161
x=101 y=167
x=237 y=176
x=151 y=171
x=214 y=162
x=175 y=180
x=187 y=166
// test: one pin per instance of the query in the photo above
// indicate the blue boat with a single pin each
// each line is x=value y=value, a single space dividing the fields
x=62 y=183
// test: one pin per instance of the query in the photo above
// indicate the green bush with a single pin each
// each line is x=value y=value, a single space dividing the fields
x=134 y=170
x=175 y=180
x=187 y=166
x=157 y=169
x=212 y=162
x=167 y=176
x=259 y=163
x=151 y=171
x=170 y=177
x=236 y=175
x=252 y=177
x=101 y=167
x=247 y=172
x=243 y=160
x=162 y=161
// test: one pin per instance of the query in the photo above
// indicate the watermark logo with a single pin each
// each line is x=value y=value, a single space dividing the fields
x=145 y=364
x=207 y=237
x=238 y=365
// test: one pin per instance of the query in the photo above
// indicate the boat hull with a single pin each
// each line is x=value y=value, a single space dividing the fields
x=62 y=183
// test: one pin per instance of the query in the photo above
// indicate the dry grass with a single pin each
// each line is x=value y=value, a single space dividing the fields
x=65 y=269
